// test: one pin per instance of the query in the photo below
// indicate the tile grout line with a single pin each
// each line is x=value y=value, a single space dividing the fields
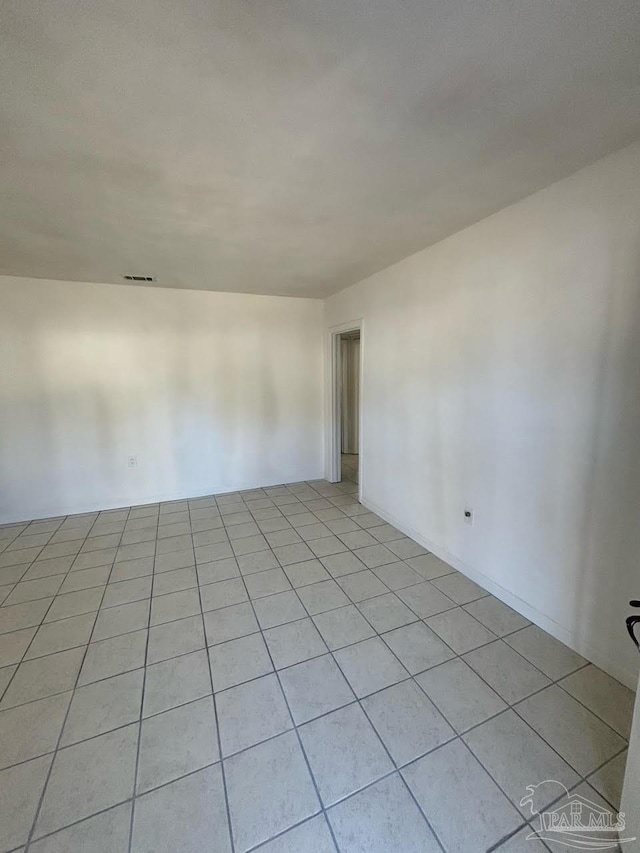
x=294 y=726
x=394 y=764
x=140 y=718
x=399 y=768
x=121 y=802
x=312 y=719
x=352 y=603
x=74 y=823
x=37 y=627
x=357 y=701
x=66 y=716
x=509 y=706
x=396 y=769
x=215 y=707
x=512 y=707
x=377 y=634
x=312 y=617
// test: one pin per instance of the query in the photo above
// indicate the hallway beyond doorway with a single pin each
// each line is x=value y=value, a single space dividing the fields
x=349 y=391
x=350 y=466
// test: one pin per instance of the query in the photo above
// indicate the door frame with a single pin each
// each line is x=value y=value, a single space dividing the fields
x=334 y=403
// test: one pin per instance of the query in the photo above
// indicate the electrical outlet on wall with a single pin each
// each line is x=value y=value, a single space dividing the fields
x=132 y=461
x=468 y=515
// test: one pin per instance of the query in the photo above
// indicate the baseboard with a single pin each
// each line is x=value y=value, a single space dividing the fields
x=57 y=510
x=542 y=620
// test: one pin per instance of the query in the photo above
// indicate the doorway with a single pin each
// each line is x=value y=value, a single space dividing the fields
x=345 y=350
x=350 y=406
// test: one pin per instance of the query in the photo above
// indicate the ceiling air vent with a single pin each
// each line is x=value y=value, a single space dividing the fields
x=139 y=277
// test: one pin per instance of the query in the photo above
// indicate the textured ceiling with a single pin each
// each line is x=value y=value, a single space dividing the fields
x=291 y=146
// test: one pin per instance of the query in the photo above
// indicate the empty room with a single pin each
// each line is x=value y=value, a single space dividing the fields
x=319 y=421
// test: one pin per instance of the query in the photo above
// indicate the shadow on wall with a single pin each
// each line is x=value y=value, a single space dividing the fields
x=503 y=369
x=226 y=413
x=200 y=410
x=611 y=531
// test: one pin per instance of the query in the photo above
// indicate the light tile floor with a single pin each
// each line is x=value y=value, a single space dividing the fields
x=277 y=670
x=350 y=463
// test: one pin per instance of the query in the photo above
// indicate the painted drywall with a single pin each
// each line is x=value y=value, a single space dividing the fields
x=502 y=371
x=211 y=392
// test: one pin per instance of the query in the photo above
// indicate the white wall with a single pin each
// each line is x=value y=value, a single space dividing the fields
x=502 y=370
x=211 y=391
